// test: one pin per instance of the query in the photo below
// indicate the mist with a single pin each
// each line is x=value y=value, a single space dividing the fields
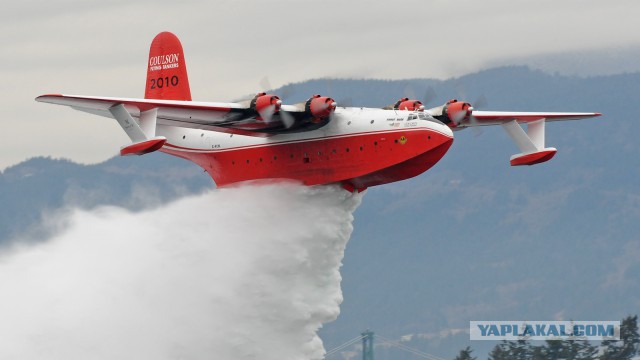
x=241 y=273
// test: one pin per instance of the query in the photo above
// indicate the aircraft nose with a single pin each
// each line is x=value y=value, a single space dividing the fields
x=441 y=138
x=444 y=129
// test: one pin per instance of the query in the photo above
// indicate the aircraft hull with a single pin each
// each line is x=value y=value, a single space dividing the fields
x=357 y=160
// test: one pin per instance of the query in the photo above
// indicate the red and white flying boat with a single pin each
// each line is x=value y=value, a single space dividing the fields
x=315 y=142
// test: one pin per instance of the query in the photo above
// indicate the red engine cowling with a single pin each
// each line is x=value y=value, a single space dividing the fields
x=408 y=104
x=320 y=107
x=457 y=111
x=265 y=105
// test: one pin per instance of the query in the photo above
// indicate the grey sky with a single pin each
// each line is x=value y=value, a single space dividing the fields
x=101 y=48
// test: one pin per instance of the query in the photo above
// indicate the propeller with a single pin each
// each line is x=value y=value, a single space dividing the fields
x=480 y=103
x=320 y=107
x=285 y=92
x=265 y=84
x=429 y=95
x=345 y=101
x=410 y=94
x=287 y=119
x=265 y=105
x=408 y=91
x=267 y=112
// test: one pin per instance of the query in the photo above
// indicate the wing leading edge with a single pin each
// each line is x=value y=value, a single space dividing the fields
x=485 y=118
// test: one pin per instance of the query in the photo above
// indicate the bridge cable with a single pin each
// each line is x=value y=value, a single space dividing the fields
x=341 y=347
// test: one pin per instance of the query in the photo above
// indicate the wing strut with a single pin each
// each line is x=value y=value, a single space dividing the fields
x=142 y=135
x=531 y=143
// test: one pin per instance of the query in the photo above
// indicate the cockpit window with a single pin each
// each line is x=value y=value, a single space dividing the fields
x=422 y=116
x=412 y=117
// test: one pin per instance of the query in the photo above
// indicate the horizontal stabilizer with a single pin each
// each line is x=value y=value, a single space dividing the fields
x=143 y=147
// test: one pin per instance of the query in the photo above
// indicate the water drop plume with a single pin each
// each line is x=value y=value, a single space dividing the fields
x=243 y=273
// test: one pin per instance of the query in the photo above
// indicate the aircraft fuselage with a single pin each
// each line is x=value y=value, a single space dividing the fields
x=359 y=148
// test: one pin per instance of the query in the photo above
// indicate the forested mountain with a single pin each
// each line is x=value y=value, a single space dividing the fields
x=471 y=239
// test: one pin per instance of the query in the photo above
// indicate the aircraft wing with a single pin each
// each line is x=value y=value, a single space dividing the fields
x=484 y=118
x=530 y=142
x=223 y=117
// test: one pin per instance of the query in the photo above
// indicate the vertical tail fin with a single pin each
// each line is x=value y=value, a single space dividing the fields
x=167 y=71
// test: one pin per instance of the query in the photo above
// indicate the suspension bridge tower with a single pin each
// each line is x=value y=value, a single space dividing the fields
x=367 y=345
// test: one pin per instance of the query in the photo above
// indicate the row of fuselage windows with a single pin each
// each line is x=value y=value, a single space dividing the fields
x=305 y=156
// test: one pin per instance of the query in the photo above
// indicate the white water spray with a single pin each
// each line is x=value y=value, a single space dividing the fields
x=243 y=273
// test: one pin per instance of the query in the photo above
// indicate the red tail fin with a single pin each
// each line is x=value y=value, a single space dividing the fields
x=167 y=71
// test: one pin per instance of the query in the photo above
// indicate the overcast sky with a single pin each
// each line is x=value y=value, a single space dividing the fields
x=101 y=48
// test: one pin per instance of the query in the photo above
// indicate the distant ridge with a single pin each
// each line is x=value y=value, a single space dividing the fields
x=38 y=185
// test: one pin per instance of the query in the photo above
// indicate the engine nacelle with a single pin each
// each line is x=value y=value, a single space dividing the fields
x=265 y=105
x=320 y=107
x=456 y=112
x=408 y=104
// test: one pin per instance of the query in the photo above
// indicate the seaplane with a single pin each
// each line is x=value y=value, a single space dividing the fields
x=314 y=142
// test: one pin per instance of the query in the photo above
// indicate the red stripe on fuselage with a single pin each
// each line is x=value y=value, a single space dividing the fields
x=325 y=160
